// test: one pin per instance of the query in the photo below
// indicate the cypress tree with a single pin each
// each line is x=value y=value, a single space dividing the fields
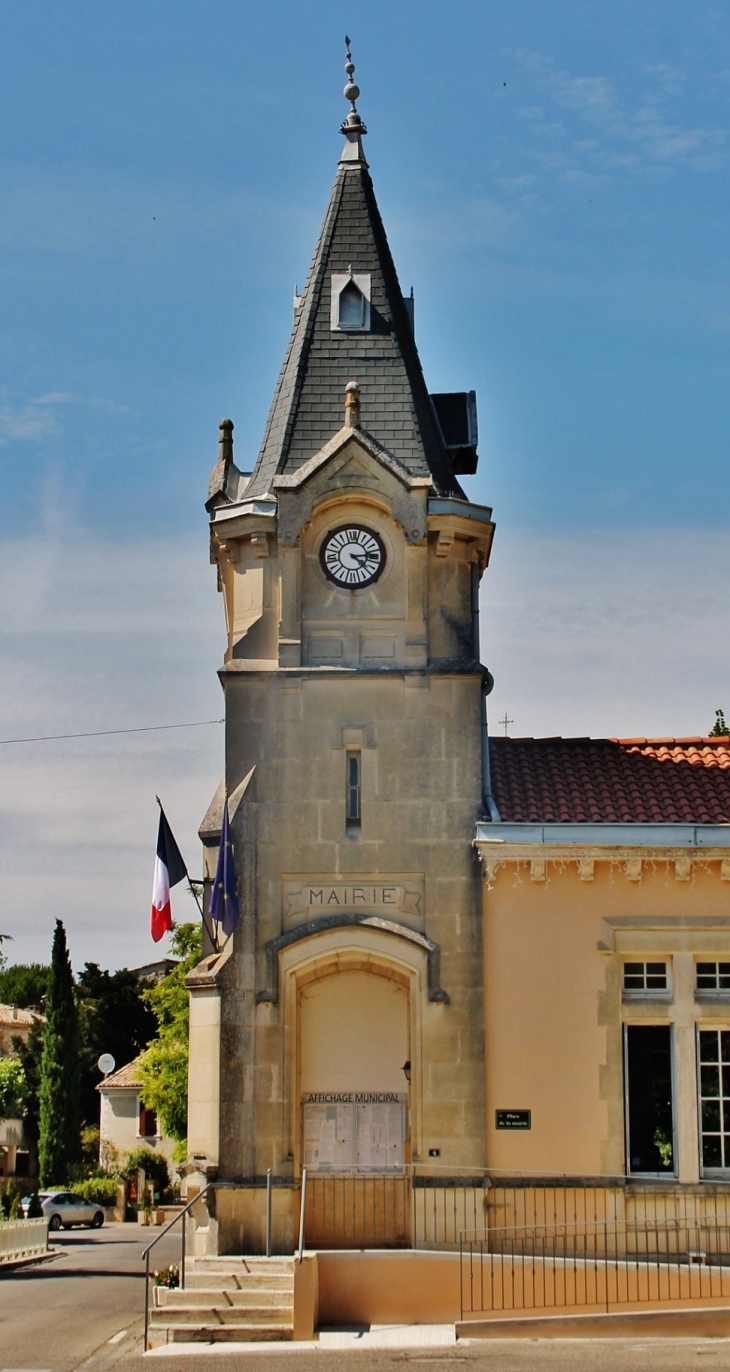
x=59 y=1151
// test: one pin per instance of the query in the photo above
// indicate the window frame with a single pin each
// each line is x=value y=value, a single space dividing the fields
x=709 y=994
x=142 y=1112
x=711 y=1174
x=363 y=282
x=646 y=993
x=648 y=1024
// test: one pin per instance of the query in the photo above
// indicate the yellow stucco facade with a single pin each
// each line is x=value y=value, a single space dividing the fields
x=559 y=930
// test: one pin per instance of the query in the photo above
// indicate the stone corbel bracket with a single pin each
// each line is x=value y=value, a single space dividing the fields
x=270 y=995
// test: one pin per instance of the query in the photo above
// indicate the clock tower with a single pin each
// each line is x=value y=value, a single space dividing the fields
x=341 y=1027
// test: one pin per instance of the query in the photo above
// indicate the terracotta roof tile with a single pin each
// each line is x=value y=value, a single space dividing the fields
x=611 y=780
x=127 y=1076
x=11 y=1016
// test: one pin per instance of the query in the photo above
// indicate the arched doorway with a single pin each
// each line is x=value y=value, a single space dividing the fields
x=353 y=1020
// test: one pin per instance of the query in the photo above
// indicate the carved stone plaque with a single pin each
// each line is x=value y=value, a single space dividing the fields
x=398 y=897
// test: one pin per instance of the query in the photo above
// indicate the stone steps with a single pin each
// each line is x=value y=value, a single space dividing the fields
x=218 y=1333
x=228 y=1314
x=238 y=1281
x=282 y=1266
x=236 y=1296
x=227 y=1300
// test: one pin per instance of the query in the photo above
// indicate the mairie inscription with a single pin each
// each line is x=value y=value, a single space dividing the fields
x=397 y=897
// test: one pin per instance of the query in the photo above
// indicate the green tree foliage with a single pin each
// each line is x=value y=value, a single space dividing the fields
x=114 y=1017
x=29 y=1054
x=164 y=1065
x=4 y=938
x=24 y=985
x=154 y=1165
x=11 y=1201
x=59 y=1150
x=13 y=1089
x=719 y=729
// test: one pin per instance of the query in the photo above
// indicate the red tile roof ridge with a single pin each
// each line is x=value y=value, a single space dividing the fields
x=709 y=741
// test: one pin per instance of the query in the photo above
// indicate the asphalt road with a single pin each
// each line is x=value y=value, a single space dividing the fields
x=491 y=1355
x=60 y=1315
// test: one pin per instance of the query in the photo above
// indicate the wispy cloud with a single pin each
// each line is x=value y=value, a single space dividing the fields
x=610 y=633
x=97 y=635
x=596 y=633
x=37 y=418
x=646 y=132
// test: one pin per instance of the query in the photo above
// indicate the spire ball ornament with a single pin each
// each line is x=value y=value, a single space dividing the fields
x=351 y=91
x=353 y=123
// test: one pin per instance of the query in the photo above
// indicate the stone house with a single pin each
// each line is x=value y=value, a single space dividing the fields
x=125 y=1124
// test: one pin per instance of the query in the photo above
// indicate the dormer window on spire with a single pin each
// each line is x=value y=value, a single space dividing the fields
x=350 y=312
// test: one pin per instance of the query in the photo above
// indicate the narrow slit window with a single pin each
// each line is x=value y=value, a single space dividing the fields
x=649 y=1103
x=353 y=791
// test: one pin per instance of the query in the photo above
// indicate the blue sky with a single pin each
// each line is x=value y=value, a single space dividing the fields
x=554 y=181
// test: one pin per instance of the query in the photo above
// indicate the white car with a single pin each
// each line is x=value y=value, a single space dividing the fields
x=63 y=1209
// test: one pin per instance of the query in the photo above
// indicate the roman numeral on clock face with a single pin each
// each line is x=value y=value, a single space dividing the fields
x=352 y=556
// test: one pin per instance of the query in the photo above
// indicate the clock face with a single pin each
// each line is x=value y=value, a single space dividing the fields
x=352 y=556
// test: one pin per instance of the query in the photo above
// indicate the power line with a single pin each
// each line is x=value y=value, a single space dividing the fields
x=105 y=733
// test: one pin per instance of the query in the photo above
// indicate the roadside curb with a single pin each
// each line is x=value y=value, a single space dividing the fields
x=13 y=1263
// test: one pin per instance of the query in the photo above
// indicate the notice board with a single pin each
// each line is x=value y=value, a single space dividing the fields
x=357 y=1131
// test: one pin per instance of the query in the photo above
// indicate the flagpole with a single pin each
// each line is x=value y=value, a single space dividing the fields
x=196 y=898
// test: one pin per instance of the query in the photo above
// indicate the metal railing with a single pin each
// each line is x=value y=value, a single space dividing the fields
x=180 y=1217
x=22 y=1238
x=596 y=1266
x=429 y=1207
x=417 y=1207
x=302 y=1211
x=348 y=1210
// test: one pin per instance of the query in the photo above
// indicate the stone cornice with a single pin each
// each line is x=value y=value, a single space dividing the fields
x=632 y=859
x=605 y=835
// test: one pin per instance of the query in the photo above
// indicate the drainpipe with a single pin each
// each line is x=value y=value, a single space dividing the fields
x=488 y=800
x=475 y=609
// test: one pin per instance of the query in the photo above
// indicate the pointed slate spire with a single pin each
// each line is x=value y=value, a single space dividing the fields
x=380 y=356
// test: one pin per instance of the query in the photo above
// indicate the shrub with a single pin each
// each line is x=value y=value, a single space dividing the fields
x=89 y=1149
x=109 y=1159
x=11 y=1201
x=154 y=1165
x=98 y=1190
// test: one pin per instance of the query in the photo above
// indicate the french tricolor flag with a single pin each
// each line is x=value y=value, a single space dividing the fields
x=169 y=870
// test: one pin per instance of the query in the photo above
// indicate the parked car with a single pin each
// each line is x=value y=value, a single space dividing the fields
x=63 y=1209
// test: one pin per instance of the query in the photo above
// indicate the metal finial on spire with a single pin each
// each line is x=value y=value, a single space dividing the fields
x=352 y=127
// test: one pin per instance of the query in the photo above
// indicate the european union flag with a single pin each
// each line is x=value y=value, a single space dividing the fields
x=223 y=900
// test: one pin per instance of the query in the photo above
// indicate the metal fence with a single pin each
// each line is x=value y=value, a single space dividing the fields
x=595 y=1265
x=428 y=1208
x=22 y=1238
x=349 y=1211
